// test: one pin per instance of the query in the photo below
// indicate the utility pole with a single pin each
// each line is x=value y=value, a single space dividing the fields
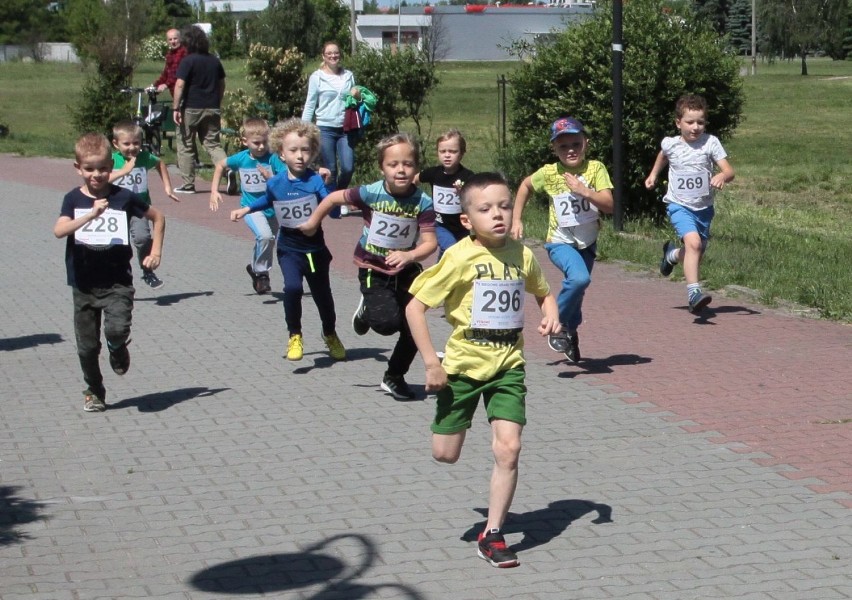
x=754 y=37
x=617 y=106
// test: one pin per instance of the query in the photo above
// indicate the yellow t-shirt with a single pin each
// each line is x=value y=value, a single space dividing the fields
x=481 y=352
x=550 y=179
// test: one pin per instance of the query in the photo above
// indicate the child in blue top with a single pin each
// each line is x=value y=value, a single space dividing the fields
x=250 y=164
x=396 y=215
x=130 y=171
x=689 y=196
x=294 y=195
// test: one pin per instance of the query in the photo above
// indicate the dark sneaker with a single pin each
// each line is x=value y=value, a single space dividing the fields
x=573 y=351
x=359 y=319
x=666 y=267
x=395 y=386
x=492 y=547
x=698 y=302
x=233 y=187
x=558 y=342
x=152 y=280
x=186 y=188
x=261 y=284
x=119 y=359
x=92 y=402
x=251 y=273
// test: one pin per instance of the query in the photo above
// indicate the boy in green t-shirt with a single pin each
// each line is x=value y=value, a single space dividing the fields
x=481 y=282
x=579 y=190
x=130 y=171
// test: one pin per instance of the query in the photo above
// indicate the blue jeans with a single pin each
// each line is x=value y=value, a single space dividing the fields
x=446 y=238
x=576 y=266
x=336 y=146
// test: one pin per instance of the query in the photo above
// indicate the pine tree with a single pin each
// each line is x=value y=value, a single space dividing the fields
x=739 y=26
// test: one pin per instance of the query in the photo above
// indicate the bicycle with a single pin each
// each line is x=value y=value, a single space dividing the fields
x=151 y=122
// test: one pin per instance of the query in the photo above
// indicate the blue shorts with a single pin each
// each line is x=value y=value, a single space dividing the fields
x=685 y=220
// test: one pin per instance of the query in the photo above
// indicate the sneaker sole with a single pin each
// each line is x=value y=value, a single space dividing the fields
x=701 y=305
x=500 y=565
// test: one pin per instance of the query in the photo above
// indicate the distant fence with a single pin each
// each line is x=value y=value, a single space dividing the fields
x=55 y=52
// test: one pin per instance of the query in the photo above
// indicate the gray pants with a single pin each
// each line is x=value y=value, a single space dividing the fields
x=140 y=234
x=115 y=307
x=204 y=123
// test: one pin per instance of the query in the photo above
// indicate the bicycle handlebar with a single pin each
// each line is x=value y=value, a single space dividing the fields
x=138 y=90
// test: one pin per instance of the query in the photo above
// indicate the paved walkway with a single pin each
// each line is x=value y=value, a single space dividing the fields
x=223 y=470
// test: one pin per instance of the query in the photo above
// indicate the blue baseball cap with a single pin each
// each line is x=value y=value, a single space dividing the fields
x=565 y=125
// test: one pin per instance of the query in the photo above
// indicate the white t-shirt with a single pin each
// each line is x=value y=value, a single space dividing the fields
x=691 y=166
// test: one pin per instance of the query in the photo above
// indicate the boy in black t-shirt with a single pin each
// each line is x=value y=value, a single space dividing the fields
x=94 y=219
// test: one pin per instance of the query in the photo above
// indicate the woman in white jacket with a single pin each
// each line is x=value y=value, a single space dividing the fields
x=328 y=87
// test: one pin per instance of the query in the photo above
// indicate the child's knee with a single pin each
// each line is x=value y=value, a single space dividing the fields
x=507 y=452
x=445 y=457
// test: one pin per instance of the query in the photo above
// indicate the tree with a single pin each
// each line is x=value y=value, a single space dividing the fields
x=666 y=56
x=224 y=39
x=739 y=26
x=303 y=24
x=31 y=22
x=802 y=26
x=716 y=11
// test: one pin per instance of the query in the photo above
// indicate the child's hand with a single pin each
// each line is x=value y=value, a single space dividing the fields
x=436 y=378
x=651 y=182
x=517 y=231
x=99 y=207
x=264 y=171
x=717 y=182
x=549 y=325
x=216 y=200
x=325 y=174
x=171 y=194
x=238 y=213
x=152 y=261
x=308 y=229
x=577 y=186
x=398 y=258
x=355 y=93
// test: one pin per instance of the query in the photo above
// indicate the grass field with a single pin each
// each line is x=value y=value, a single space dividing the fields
x=783 y=228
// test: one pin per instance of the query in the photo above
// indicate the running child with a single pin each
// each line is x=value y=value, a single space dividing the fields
x=94 y=218
x=252 y=163
x=691 y=157
x=130 y=171
x=579 y=190
x=446 y=180
x=294 y=194
x=396 y=214
x=481 y=282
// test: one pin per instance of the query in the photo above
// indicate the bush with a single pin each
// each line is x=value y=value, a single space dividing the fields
x=153 y=47
x=402 y=82
x=665 y=56
x=101 y=102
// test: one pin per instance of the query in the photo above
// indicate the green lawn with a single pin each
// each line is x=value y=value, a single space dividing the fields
x=784 y=227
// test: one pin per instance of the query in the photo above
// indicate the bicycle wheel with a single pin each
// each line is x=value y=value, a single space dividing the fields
x=154 y=141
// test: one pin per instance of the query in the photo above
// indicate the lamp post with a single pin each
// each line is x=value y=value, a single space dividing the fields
x=617 y=106
x=753 y=37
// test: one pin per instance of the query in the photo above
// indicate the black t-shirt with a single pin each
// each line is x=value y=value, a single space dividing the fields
x=201 y=74
x=437 y=176
x=100 y=266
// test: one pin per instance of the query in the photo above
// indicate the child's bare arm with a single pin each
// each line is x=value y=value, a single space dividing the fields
x=336 y=198
x=158 y=231
x=601 y=199
x=128 y=166
x=521 y=197
x=428 y=244
x=549 y=315
x=436 y=377
x=659 y=164
x=215 y=197
x=66 y=226
x=725 y=174
x=163 y=170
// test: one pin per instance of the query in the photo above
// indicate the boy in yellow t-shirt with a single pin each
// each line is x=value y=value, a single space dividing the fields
x=579 y=191
x=481 y=282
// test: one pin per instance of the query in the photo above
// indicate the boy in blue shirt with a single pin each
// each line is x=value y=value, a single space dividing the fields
x=94 y=220
x=294 y=195
x=252 y=164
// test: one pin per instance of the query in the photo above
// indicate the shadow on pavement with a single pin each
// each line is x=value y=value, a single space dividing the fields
x=594 y=366
x=15 y=511
x=163 y=400
x=713 y=311
x=29 y=341
x=170 y=299
x=270 y=573
x=325 y=361
x=543 y=525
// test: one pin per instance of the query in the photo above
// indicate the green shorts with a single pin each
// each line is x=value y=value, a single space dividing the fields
x=504 y=396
